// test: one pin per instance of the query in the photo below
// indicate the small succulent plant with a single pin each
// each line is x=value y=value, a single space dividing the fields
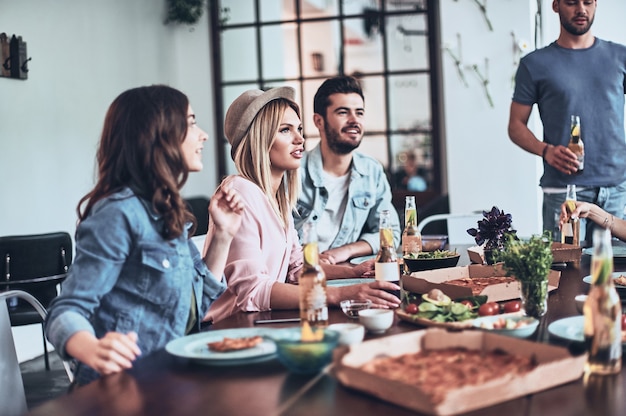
x=493 y=229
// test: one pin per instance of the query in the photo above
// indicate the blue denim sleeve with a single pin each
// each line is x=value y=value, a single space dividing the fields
x=103 y=241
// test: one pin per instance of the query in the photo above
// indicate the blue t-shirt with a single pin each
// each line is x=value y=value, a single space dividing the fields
x=587 y=82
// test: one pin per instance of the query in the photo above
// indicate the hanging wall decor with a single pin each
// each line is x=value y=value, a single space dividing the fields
x=457 y=58
x=484 y=79
x=13 y=57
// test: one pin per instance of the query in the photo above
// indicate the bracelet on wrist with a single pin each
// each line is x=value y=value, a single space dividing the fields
x=545 y=151
x=606 y=225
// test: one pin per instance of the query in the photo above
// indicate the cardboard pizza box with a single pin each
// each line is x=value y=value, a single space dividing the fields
x=423 y=282
x=555 y=366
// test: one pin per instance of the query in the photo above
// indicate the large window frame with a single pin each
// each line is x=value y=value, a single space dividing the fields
x=379 y=17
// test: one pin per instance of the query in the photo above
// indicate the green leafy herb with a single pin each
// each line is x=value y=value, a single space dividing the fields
x=437 y=254
x=527 y=260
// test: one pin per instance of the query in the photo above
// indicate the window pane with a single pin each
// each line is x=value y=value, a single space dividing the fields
x=279 y=51
x=407 y=42
x=409 y=102
x=310 y=88
x=364 y=51
x=239 y=55
x=417 y=5
x=374 y=92
x=273 y=10
x=320 y=49
x=376 y=147
x=351 y=7
x=234 y=12
x=412 y=168
x=318 y=8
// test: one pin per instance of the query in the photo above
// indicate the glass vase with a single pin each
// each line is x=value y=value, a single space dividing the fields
x=534 y=298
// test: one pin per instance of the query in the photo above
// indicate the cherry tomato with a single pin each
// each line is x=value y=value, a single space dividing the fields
x=468 y=303
x=624 y=322
x=411 y=308
x=489 y=308
x=512 y=306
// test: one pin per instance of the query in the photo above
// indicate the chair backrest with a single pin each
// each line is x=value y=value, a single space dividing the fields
x=12 y=397
x=199 y=206
x=31 y=263
x=457 y=225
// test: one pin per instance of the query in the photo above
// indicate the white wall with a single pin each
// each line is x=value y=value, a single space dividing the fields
x=84 y=53
x=484 y=167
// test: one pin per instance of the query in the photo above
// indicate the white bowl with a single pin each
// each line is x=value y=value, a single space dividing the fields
x=376 y=321
x=349 y=333
x=529 y=325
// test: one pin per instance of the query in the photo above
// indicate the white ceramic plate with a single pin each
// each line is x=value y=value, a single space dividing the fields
x=359 y=260
x=194 y=347
x=571 y=329
x=587 y=279
x=568 y=328
x=618 y=251
x=347 y=282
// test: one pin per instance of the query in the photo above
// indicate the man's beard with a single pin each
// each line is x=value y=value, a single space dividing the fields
x=575 y=30
x=335 y=143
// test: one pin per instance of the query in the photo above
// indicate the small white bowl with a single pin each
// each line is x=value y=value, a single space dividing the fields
x=527 y=329
x=580 y=302
x=377 y=321
x=349 y=333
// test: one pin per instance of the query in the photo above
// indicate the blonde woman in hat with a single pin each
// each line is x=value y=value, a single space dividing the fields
x=265 y=256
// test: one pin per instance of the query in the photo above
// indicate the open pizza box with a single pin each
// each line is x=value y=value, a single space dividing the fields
x=561 y=253
x=555 y=366
x=423 y=282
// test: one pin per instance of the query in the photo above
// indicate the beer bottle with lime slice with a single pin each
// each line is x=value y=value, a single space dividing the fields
x=312 y=284
x=386 y=266
x=576 y=143
x=411 y=236
x=602 y=311
x=570 y=232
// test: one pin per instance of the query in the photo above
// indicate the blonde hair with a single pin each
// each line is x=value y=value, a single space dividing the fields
x=252 y=158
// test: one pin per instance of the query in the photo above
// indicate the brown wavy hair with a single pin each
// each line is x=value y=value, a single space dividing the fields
x=140 y=148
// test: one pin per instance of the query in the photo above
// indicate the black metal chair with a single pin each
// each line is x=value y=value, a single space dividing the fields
x=199 y=206
x=35 y=264
x=12 y=394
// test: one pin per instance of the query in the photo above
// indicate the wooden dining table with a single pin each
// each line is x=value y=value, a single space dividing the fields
x=164 y=384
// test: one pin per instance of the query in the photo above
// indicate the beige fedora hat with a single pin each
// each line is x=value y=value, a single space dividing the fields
x=242 y=111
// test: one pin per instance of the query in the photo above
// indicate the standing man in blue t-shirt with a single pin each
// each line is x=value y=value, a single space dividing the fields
x=578 y=74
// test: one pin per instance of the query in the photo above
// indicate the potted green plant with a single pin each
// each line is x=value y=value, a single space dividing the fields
x=529 y=262
x=492 y=231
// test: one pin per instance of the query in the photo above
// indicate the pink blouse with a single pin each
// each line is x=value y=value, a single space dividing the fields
x=261 y=254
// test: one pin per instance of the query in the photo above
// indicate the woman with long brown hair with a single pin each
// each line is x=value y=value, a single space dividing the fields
x=137 y=280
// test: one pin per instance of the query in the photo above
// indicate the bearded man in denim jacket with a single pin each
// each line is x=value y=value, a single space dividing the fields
x=343 y=191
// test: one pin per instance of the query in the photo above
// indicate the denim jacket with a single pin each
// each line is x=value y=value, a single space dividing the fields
x=368 y=194
x=126 y=277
